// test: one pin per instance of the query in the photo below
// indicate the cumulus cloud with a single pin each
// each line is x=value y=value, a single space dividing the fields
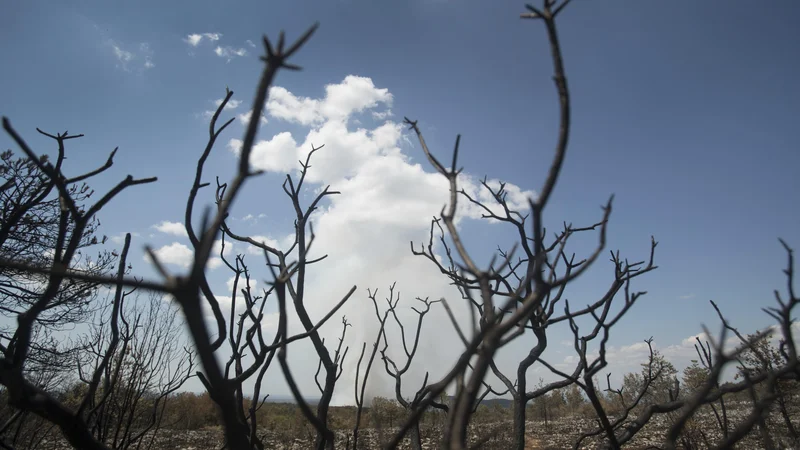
x=242 y=284
x=193 y=39
x=253 y=250
x=386 y=201
x=630 y=357
x=686 y=347
x=516 y=198
x=625 y=357
x=382 y=115
x=175 y=254
x=277 y=154
x=182 y=255
x=269 y=322
x=244 y=118
x=173 y=228
x=226 y=248
x=282 y=104
x=353 y=95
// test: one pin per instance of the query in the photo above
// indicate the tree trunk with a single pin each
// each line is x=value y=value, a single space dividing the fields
x=519 y=418
x=325 y=440
x=414 y=437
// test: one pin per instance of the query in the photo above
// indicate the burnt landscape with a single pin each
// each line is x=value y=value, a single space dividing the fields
x=364 y=287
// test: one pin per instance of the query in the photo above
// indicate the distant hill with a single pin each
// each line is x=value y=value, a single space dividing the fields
x=289 y=399
x=503 y=402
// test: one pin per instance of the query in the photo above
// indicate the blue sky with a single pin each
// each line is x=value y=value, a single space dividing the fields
x=688 y=115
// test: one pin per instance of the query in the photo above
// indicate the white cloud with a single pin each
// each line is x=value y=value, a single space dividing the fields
x=226 y=251
x=244 y=118
x=242 y=284
x=120 y=238
x=277 y=154
x=249 y=217
x=232 y=103
x=354 y=94
x=173 y=228
x=624 y=358
x=175 y=253
x=516 y=198
x=690 y=341
x=282 y=104
x=123 y=56
x=382 y=115
x=269 y=321
x=229 y=52
x=386 y=201
x=253 y=250
x=128 y=59
x=250 y=43
x=182 y=255
x=686 y=296
x=195 y=38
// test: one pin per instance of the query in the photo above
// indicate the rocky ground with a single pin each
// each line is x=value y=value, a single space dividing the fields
x=557 y=434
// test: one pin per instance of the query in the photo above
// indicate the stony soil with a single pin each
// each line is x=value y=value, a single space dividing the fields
x=557 y=434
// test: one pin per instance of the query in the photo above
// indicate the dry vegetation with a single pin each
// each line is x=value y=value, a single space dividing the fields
x=118 y=384
x=193 y=426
